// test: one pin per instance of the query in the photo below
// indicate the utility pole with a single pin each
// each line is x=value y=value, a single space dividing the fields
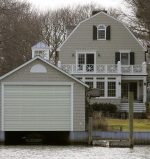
x=131 y=98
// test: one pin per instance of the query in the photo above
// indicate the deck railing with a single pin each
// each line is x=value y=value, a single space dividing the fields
x=105 y=69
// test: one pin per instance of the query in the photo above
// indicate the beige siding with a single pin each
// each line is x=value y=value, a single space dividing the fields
x=52 y=75
x=82 y=39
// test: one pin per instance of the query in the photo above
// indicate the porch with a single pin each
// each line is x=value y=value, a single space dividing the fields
x=104 y=69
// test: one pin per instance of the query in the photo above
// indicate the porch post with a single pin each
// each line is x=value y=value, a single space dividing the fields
x=144 y=68
x=144 y=90
x=118 y=87
x=119 y=67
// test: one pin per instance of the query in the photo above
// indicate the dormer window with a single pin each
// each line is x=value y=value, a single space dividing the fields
x=101 y=32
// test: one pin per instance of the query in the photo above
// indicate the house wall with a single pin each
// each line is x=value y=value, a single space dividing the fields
x=82 y=39
x=53 y=75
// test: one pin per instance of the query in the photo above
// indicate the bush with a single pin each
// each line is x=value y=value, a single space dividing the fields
x=104 y=107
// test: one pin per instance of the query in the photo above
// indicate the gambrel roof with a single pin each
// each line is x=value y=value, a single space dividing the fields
x=144 y=48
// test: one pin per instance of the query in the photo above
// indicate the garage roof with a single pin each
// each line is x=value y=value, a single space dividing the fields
x=55 y=67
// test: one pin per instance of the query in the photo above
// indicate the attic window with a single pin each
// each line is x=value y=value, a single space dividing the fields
x=39 y=53
x=101 y=32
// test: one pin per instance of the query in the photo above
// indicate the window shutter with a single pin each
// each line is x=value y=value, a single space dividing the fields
x=117 y=57
x=94 y=32
x=108 y=33
x=132 y=58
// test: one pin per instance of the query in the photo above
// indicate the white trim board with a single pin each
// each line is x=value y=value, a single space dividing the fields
x=71 y=84
x=144 y=49
x=53 y=66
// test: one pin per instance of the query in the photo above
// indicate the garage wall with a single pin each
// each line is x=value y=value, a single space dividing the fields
x=53 y=75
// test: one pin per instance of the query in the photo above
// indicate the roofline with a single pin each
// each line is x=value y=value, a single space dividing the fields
x=144 y=49
x=55 y=67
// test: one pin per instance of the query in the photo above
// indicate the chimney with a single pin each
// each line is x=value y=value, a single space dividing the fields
x=97 y=11
x=69 y=29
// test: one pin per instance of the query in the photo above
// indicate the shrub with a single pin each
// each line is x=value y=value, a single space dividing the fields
x=104 y=107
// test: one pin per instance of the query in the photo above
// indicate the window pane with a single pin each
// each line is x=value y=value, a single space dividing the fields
x=101 y=34
x=111 y=89
x=90 y=84
x=124 y=58
x=101 y=86
x=81 y=61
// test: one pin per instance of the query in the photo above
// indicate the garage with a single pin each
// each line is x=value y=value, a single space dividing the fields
x=37 y=107
x=40 y=97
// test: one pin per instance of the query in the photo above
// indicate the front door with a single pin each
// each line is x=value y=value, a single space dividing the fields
x=133 y=88
x=126 y=87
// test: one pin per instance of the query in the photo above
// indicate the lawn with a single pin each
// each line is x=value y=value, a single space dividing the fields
x=139 y=124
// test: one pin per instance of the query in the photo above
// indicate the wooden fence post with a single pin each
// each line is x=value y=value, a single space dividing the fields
x=131 y=98
x=90 y=129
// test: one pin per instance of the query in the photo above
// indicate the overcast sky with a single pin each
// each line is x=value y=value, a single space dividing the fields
x=54 y=4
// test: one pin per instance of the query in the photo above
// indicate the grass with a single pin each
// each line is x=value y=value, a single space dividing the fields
x=139 y=124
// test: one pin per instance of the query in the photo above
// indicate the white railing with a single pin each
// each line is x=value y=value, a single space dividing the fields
x=94 y=69
x=105 y=69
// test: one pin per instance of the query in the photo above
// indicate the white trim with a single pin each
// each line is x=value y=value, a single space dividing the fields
x=18 y=68
x=85 y=52
x=101 y=29
x=71 y=84
x=144 y=49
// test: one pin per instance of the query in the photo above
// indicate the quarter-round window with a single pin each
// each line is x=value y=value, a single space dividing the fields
x=101 y=32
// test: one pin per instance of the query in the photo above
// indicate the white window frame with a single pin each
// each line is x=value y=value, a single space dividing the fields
x=101 y=29
x=125 y=51
x=89 y=80
x=102 y=80
x=45 y=51
x=85 y=52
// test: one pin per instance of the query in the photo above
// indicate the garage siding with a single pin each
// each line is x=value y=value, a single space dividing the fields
x=53 y=75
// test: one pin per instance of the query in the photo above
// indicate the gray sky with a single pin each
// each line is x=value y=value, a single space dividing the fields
x=54 y=4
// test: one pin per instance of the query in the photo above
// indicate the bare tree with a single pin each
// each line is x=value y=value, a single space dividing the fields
x=20 y=28
x=139 y=18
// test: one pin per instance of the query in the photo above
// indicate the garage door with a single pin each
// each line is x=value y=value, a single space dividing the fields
x=37 y=108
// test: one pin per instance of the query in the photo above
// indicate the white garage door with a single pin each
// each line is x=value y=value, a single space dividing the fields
x=37 y=108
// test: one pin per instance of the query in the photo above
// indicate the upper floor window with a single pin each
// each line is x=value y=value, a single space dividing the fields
x=125 y=57
x=101 y=32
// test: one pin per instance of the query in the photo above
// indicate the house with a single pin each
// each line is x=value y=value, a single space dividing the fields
x=103 y=53
x=40 y=97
